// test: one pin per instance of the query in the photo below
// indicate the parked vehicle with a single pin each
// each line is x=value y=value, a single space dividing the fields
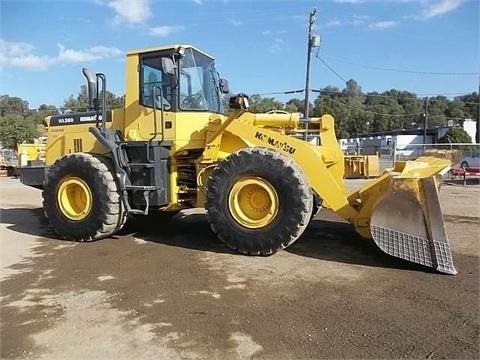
x=472 y=161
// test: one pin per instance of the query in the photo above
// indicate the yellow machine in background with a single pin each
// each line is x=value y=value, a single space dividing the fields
x=171 y=147
x=361 y=166
x=35 y=151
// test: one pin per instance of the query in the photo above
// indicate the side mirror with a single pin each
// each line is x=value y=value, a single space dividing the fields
x=91 y=88
x=224 y=88
x=168 y=66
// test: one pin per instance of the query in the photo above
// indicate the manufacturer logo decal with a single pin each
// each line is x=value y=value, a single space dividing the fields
x=281 y=145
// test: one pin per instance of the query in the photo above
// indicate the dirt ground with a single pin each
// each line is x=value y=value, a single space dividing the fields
x=169 y=290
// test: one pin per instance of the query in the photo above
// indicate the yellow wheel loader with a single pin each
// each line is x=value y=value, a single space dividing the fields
x=171 y=147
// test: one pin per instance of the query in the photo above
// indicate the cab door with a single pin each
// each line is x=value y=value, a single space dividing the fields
x=155 y=98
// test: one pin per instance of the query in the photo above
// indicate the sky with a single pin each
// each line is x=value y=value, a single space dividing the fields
x=429 y=47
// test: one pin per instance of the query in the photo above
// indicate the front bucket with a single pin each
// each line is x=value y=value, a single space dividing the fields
x=408 y=223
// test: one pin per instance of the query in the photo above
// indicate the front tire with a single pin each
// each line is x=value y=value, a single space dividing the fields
x=317 y=205
x=81 y=198
x=258 y=201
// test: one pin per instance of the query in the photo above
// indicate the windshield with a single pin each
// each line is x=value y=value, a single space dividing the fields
x=199 y=88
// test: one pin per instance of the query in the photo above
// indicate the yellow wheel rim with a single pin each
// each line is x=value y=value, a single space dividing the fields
x=74 y=198
x=253 y=202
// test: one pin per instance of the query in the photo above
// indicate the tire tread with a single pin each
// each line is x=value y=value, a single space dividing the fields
x=263 y=242
x=112 y=214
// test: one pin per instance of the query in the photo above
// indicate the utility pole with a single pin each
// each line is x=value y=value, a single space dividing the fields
x=313 y=41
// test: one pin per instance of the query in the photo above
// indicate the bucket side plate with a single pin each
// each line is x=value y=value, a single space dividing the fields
x=407 y=223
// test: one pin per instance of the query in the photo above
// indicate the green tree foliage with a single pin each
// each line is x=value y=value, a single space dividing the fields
x=262 y=105
x=80 y=102
x=354 y=101
x=456 y=109
x=470 y=102
x=437 y=108
x=12 y=105
x=356 y=113
x=17 y=122
x=331 y=101
x=38 y=115
x=295 y=105
x=456 y=135
x=15 y=129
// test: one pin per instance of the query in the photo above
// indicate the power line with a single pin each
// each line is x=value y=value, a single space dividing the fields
x=282 y=92
x=397 y=97
x=369 y=94
x=416 y=94
x=331 y=69
x=375 y=95
x=444 y=94
x=418 y=72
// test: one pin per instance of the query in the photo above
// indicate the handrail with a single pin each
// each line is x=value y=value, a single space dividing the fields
x=155 y=132
x=103 y=78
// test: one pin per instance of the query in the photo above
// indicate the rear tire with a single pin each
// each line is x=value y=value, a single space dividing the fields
x=258 y=201
x=81 y=198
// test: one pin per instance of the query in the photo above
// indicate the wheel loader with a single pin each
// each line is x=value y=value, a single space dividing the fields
x=171 y=147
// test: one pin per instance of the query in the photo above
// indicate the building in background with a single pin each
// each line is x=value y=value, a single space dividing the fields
x=408 y=142
x=470 y=126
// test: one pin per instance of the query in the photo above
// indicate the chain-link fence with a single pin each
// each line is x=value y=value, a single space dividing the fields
x=8 y=157
x=462 y=155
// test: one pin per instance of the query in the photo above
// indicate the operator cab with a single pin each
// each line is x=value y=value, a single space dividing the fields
x=180 y=78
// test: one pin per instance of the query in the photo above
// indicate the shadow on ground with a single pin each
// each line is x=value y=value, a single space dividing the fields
x=190 y=231
x=323 y=239
x=339 y=242
x=26 y=221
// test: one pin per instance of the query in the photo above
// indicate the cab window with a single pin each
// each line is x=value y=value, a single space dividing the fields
x=154 y=84
x=198 y=79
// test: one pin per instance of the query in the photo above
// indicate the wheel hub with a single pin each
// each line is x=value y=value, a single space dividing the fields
x=253 y=202
x=74 y=198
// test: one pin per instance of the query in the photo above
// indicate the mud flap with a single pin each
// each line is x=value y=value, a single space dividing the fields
x=407 y=223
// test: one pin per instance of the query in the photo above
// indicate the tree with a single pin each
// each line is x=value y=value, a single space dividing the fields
x=81 y=103
x=346 y=106
x=352 y=90
x=456 y=109
x=413 y=109
x=78 y=103
x=262 y=105
x=331 y=101
x=38 y=115
x=114 y=101
x=471 y=105
x=12 y=105
x=14 y=129
x=456 y=135
x=359 y=119
x=295 y=105
x=437 y=111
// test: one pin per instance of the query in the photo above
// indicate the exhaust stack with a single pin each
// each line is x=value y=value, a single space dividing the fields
x=91 y=88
